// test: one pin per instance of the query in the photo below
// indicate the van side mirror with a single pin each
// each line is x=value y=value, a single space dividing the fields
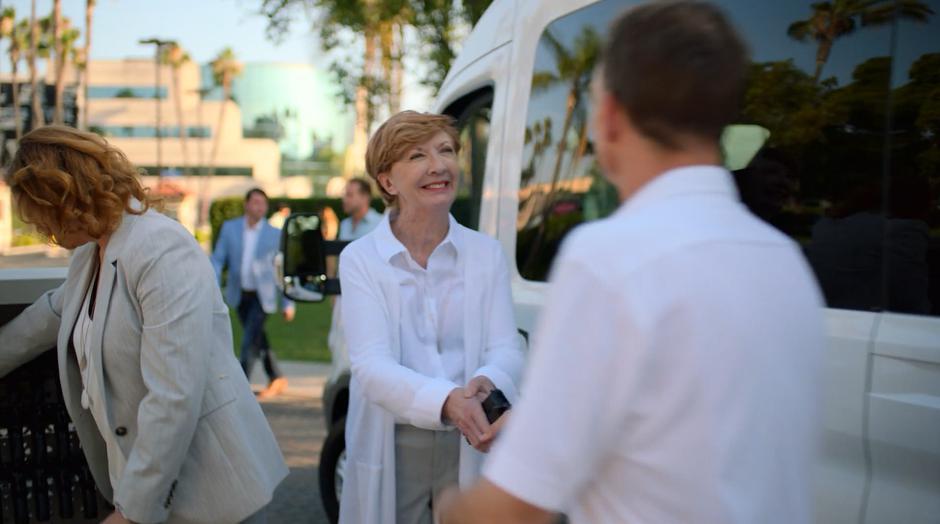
x=301 y=262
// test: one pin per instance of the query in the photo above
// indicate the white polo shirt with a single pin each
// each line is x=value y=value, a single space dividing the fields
x=675 y=369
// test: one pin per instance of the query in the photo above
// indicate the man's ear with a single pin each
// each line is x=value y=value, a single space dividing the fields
x=612 y=119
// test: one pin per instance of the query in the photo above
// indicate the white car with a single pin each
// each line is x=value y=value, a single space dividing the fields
x=824 y=169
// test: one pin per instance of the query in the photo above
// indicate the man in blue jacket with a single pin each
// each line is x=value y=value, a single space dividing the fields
x=247 y=246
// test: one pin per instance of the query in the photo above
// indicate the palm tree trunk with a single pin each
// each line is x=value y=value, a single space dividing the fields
x=36 y=107
x=59 y=60
x=822 y=56
x=355 y=156
x=17 y=118
x=60 y=64
x=180 y=122
x=89 y=14
x=204 y=179
x=397 y=67
x=562 y=141
x=387 y=43
x=556 y=173
x=369 y=67
x=582 y=144
x=226 y=90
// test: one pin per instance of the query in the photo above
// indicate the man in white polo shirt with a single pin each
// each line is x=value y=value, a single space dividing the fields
x=675 y=372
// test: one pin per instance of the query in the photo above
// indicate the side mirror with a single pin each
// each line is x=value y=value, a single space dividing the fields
x=301 y=262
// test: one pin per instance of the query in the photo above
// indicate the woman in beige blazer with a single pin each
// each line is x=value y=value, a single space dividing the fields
x=166 y=418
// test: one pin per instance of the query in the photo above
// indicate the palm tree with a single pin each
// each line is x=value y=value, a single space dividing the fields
x=83 y=79
x=176 y=57
x=832 y=20
x=31 y=56
x=380 y=23
x=64 y=46
x=573 y=68
x=7 y=23
x=19 y=41
x=60 y=57
x=225 y=67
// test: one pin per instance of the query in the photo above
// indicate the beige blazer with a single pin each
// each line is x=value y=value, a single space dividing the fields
x=162 y=373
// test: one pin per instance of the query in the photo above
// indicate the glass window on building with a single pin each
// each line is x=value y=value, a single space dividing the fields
x=150 y=131
x=105 y=92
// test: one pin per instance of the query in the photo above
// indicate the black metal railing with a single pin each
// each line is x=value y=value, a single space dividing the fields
x=43 y=473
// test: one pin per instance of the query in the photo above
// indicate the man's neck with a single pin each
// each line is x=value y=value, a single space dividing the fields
x=251 y=222
x=358 y=215
x=637 y=170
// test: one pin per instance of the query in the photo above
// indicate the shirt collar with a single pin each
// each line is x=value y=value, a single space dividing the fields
x=686 y=180
x=388 y=244
x=256 y=227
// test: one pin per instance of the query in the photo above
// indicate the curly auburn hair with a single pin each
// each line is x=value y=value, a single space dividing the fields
x=66 y=180
x=397 y=135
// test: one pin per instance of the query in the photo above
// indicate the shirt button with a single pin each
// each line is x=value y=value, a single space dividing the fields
x=120 y=431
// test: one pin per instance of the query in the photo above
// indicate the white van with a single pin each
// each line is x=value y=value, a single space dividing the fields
x=861 y=200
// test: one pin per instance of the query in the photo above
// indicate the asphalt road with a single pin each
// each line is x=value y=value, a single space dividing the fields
x=297 y=420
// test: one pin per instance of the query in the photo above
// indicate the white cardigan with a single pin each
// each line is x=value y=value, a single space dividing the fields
x=381 y=389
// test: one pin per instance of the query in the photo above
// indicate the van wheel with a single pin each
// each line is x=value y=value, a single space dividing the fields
x=333 y=469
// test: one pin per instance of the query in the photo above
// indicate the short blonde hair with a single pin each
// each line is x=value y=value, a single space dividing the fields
x=66 y=180
x=397 y=135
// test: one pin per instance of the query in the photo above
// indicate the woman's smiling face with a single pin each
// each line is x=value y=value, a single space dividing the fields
x=426 y=176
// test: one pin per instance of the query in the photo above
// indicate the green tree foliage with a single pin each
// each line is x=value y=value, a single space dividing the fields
x=830 y=21
x=345 y=23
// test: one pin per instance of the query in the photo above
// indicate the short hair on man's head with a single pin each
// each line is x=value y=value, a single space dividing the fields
x=397 y=135
x=678 y=69
x=255 y=191
x=362 y=185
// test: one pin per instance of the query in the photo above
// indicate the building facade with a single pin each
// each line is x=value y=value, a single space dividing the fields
x=127 y=99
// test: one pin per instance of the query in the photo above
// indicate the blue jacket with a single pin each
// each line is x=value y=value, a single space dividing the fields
x=228 y=252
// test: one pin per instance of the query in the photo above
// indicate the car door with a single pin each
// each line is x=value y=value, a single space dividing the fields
x=903 y=396
x=814 y=172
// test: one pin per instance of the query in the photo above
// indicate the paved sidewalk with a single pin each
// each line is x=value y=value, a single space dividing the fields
x=296 y=416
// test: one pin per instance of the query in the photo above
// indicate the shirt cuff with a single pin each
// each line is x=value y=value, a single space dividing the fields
x=515 y=477
x=429 y=403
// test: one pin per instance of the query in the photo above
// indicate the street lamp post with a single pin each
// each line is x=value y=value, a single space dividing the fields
x=158 y=43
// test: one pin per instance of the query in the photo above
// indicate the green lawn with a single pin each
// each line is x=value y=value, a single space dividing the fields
x=302 y=339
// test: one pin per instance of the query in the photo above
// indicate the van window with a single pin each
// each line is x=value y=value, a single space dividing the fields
x=473 y=113
x=561 y=185
x=912 y=217
x=808 y=152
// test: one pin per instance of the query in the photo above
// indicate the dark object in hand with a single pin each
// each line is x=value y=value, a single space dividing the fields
x=495 y=405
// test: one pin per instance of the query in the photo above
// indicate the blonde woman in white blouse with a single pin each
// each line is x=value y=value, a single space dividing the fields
x=430 y=331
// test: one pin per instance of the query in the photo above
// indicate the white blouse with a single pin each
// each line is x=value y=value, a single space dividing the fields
x=81 y=339
x=431 y=302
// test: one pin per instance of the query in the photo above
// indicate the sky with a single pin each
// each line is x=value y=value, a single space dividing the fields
x=202 y=27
